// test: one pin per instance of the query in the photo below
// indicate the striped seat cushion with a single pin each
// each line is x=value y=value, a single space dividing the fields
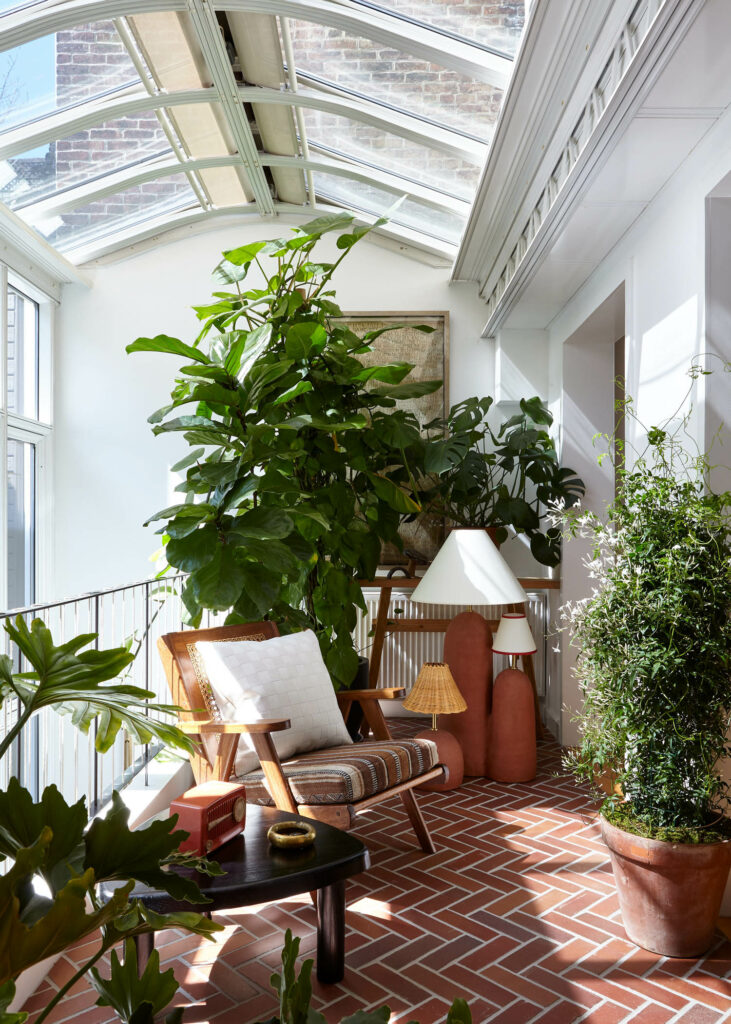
x=344 y=775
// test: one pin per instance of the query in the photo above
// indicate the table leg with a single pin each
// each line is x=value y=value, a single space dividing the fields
x=144 y=945
x=331 y=933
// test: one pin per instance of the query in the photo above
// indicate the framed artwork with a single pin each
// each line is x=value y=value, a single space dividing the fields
x=429 y=354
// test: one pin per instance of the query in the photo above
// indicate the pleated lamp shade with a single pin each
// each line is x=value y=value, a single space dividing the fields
x=435 y=691
x=469 y=570
x=513 y=635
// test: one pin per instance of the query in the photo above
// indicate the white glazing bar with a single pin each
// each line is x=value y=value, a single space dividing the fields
x=423 y=42
x=91 y=114
x=3 y=436
x=375 y=114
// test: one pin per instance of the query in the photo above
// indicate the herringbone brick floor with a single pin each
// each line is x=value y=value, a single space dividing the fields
x=516 y=912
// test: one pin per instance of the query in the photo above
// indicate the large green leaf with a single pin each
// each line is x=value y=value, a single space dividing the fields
x=304 y=338
x=116 y=852
x=66 y=921
x=264 y=524
x=136 y=998
x=22 y=822
x=218 y=584
x=410 y=389
x=172 y=346
x=391 y=493
x=72 y=684
x=194 y=550
x=7 y=995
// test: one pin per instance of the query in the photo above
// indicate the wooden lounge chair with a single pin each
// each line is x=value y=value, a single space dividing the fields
x=332 y=785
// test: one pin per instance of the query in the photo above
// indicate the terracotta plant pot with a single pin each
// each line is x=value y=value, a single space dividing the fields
x=669 y=893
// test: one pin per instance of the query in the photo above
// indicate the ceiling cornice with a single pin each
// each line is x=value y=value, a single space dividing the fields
x=563 y=52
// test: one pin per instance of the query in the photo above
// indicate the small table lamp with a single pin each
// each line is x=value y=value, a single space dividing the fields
x=435 y=693
x=512 y=747
x=469 y=570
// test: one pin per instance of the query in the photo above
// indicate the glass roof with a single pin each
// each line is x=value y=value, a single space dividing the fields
x=406 y=83
x=109 y=126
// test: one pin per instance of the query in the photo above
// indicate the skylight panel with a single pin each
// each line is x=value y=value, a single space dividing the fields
x=389 y=76
x=58 y=71
x=495 y=26
x=123 y=210
x=411 y=213
x=340 y=136
x=83 y=157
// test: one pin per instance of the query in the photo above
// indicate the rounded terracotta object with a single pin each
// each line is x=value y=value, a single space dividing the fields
x=450 y=755
x=468 y=652
x=669 y=893
x=511 y=755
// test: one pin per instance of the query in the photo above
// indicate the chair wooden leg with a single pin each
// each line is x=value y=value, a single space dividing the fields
x=417 y=820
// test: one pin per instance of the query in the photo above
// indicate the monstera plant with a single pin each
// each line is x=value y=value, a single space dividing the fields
x=300 y=464
x=51 y=842
x=508 y=476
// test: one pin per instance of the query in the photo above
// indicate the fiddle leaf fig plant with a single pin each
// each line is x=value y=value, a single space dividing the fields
x=499 y=478
x=300 y=463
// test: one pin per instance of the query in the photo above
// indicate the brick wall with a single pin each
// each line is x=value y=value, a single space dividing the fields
x=91 y=59
x=416 y=86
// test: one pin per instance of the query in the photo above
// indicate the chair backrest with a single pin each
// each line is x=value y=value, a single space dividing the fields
x=196 y=701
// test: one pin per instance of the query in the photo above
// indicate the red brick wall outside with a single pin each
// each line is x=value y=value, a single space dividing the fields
x=91 y=59
x=416 y=86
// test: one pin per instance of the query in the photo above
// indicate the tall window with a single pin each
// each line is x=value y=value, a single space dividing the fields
x=25 y=434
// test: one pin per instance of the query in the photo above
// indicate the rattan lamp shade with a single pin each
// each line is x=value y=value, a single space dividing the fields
x=435 y=691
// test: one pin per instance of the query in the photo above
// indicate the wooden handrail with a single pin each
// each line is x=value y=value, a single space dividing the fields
x=410 y=582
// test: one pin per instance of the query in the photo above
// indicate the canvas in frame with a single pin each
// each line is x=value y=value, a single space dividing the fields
x=429 y=354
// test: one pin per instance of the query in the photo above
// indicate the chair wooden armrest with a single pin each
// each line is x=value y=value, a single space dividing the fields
x=387 y=693
x=210 y=726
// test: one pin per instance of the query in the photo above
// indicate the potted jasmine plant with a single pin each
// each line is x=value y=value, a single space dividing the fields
x=654 y=660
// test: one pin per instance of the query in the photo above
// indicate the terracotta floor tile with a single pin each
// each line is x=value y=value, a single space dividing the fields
x=516 y=912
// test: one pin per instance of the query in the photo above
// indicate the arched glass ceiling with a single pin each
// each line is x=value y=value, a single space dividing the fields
x=119 y=118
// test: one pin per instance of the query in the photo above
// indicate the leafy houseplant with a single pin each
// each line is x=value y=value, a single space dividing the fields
x=52 y=840
x=478 y=476
x=654 y=659
x=299 y=461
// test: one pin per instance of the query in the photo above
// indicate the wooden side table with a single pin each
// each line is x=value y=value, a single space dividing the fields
x=257 y=872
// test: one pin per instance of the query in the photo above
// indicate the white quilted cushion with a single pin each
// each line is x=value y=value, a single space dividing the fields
x=284 y=677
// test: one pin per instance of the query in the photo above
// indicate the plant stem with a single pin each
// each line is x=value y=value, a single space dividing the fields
x=14 y=732
x=70 y=984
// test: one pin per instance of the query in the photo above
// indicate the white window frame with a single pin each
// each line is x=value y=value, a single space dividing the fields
x=14 y=427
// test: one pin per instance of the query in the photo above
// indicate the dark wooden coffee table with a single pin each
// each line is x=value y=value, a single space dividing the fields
x=256 y=872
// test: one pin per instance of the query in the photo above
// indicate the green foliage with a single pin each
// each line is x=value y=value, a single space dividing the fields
x=295 y=995
x=71 y=684
x=137 y=998
x=48 y=839
x=7 y=994
x=300 y=469
x=654 y=643
x=478 y=476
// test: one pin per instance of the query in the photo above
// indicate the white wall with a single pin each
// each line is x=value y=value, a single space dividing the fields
x=110 y=472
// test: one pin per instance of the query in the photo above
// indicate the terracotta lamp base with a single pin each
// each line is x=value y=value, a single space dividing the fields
x=450 y=755
x=511 y=749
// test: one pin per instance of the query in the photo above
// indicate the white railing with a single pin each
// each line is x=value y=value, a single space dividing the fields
x=52 y=750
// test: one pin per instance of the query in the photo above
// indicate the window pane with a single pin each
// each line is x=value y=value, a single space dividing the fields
x=496 y=25
x=125 y=209
x=333 y=134
x=85 y=156
x=22 y=354
x=382 y=73
x=371 y=199
x=56 y=71
x=21 y=523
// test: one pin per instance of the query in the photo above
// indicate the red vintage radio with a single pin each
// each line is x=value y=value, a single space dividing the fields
x=212 y=813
